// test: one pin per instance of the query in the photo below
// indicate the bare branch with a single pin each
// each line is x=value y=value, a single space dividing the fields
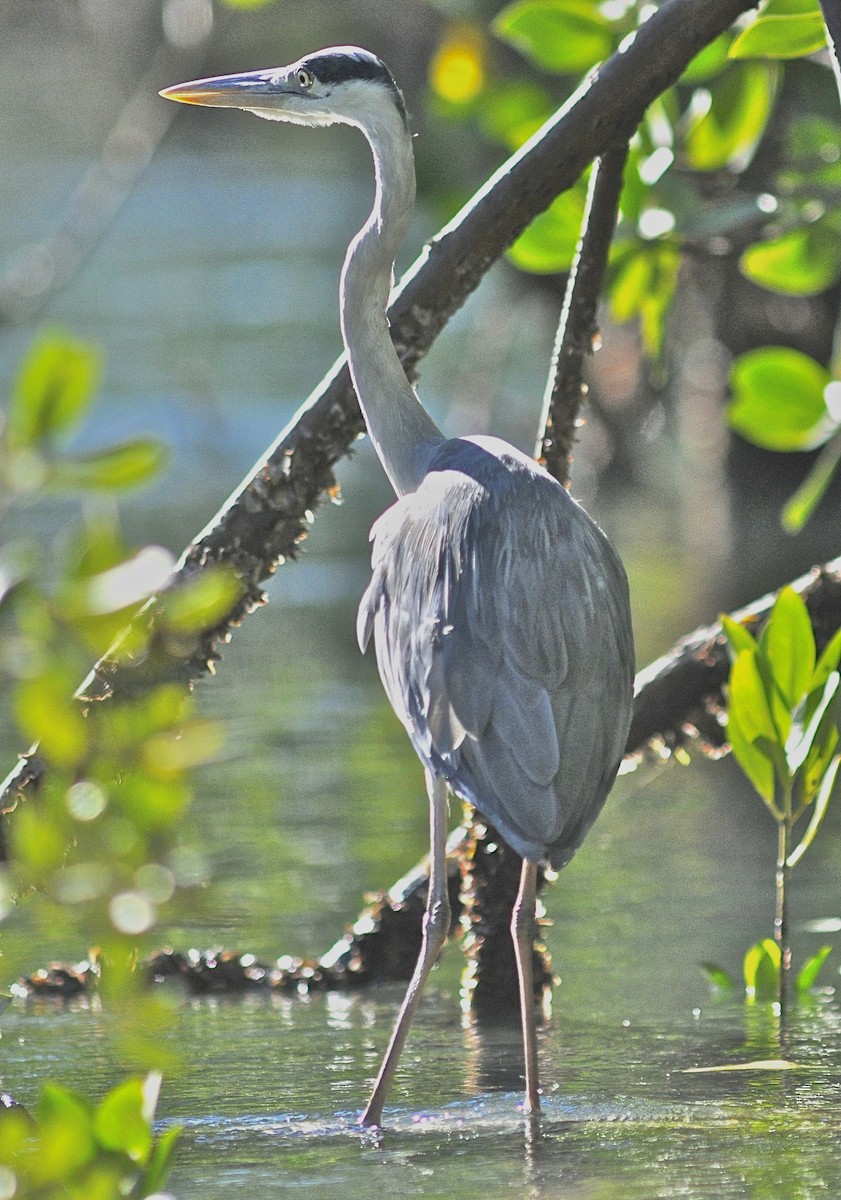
x=577 y=329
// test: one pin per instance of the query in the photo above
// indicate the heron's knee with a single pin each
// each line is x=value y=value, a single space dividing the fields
x=436 y=924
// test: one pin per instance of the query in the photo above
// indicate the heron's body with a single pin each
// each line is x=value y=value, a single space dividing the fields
x=498 y=609
x=498 y=613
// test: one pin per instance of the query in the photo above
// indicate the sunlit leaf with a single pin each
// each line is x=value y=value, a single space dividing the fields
x=725 y=129
x=121 y=1124
x=758 y=767
x=789 y=36
x=125 y=466
x=738 y=637
x=808 y=974
x=813 y=738
x=755 y=704
x=821 y=805
x=548 y=245
x=643 y=286
x=55 y=385
x=557 y=35
x=778 y=399
x=799 y=263
x=762 y=970
x=788 y=643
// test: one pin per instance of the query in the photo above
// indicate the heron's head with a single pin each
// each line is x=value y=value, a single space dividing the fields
x=340 y=84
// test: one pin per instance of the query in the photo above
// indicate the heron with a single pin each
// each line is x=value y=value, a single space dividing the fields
x=498 y=609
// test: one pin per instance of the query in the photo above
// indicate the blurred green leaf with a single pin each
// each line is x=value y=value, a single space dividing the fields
x=807 y=976
x=788 y=644
x=728 y=119
x=511 y=112
x=643 y=285
x=200 y=602
x=65 y=1135
x=709 y=62
x=789 y=36
x=125 y=466
x=120 y=1123
x=803 y=502
x=160 y=1162
x=54 y=388
x=762 y=970
x=548 y=245
x=567 y=36
x=47 y=713
x=778 y=399
x=717 y=976
x=800 y=263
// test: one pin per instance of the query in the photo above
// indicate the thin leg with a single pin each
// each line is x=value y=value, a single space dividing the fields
x=522 y=932
x=436 y=926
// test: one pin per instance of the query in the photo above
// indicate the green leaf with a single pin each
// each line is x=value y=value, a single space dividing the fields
x=800 y=263
x=762 y=970
x=813 y=738
x=125 y=466
x=751 y=699
x=738 y=637
x=803 y=502
x=807 y=976
x=160 y=1162
x=758 y=767
x=827 y=663
x=567 y=36
x=778 y=399
x=121 y=1122
x=511 y=112
x=789 y=36
x=727 y=121
x=818 y=812
x=709 y=62
x=47 y=713
x=201 y=602
x=643 y=287
x=549 y=243
x=65 y=1138
x=788 y=644
x=717 y=976
x=53 y=390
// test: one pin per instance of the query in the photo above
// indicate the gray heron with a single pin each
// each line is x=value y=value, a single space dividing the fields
x=498 y=608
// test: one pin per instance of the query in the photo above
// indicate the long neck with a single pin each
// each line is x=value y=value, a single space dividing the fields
x=403 y=433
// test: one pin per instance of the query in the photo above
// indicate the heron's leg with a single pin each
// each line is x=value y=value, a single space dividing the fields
x=436 y=926
x=522 y=932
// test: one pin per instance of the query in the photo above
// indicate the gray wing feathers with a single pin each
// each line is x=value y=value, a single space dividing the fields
x=500 y=622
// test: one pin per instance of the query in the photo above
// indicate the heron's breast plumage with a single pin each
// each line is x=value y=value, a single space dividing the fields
x=500 y=617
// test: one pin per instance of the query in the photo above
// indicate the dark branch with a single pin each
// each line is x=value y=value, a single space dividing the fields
x=577 y=330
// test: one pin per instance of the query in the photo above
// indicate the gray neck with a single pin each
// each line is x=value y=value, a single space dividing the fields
x=403 y=433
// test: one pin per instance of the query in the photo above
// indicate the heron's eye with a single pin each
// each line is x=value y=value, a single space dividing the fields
x=305 y=79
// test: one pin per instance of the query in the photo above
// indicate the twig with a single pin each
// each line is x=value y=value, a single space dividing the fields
x=577 y=329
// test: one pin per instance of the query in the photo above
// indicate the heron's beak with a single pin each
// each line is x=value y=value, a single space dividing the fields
x=224 y=91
